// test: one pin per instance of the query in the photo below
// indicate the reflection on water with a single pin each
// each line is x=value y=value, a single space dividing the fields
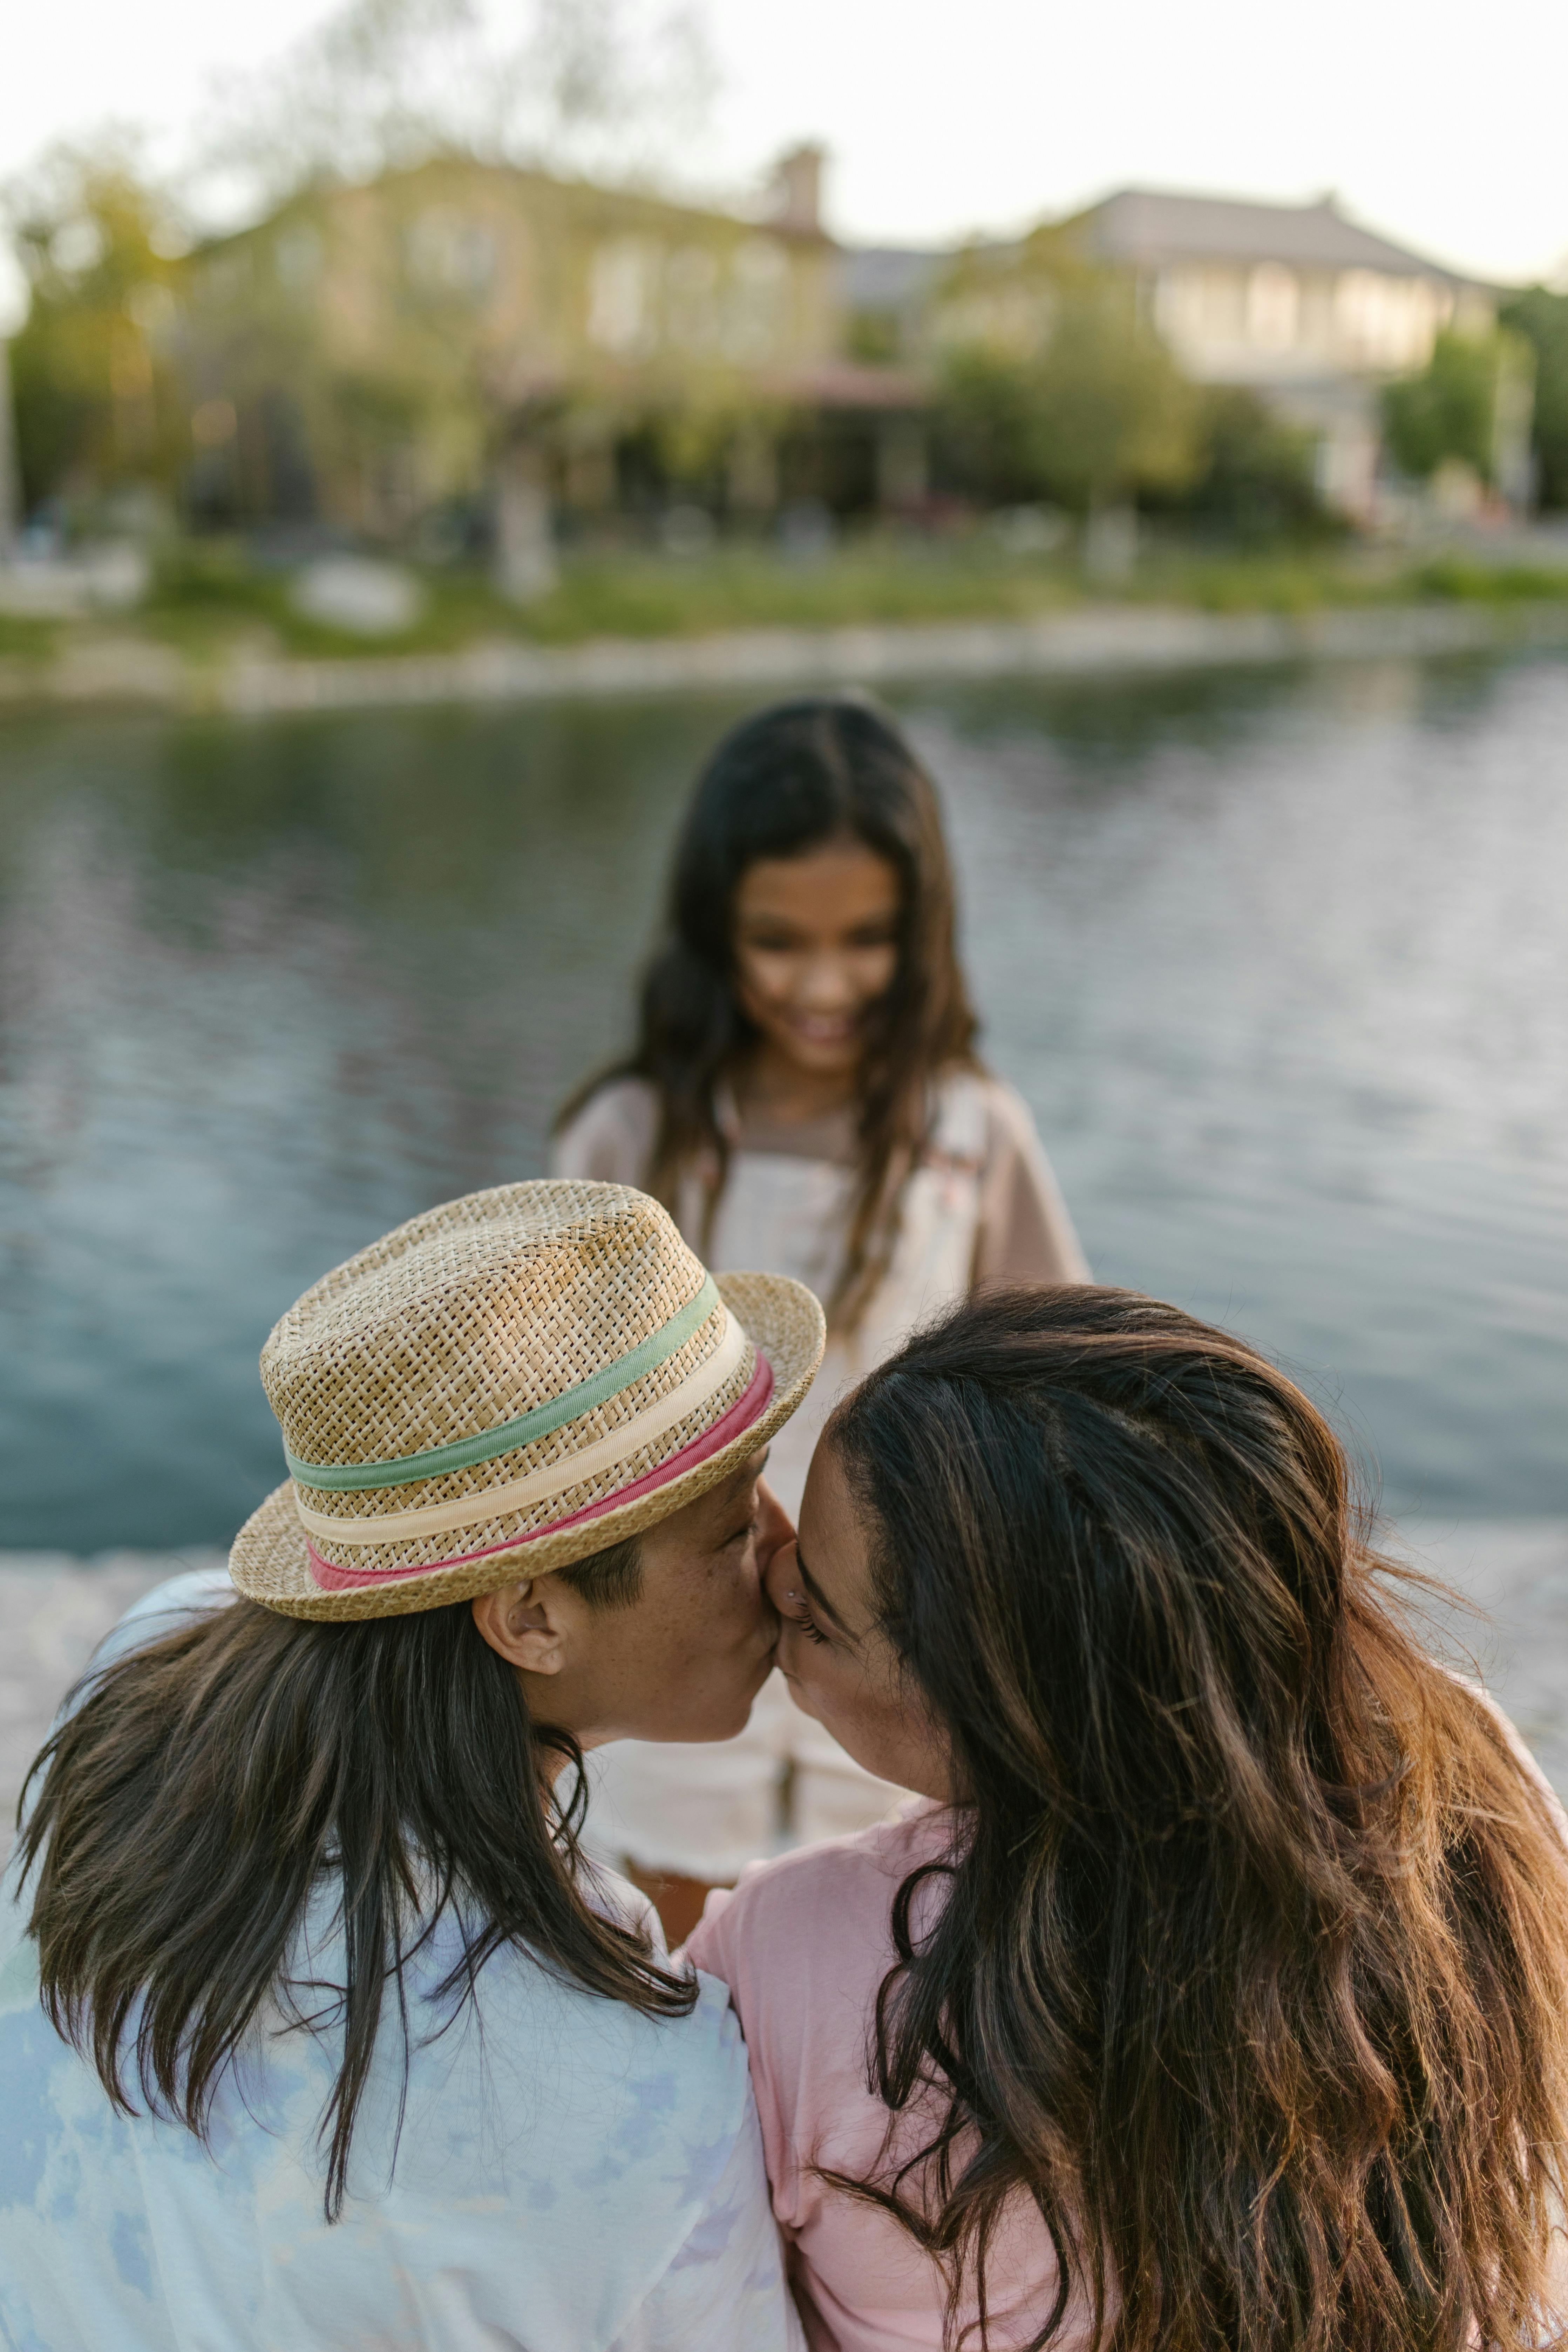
x=1279 y=960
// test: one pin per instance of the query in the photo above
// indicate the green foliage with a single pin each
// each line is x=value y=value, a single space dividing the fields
x=208 y=601
x=27 y=639
x=985 y=420
x=95 y=397
x=1447 y=410
x=875 y=338
x=1115 y=414
x=1452 y=577
x=1099 y=413
x=1255 y=478
x=1542 y=318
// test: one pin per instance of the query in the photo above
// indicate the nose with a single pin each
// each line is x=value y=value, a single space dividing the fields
x=827 y=985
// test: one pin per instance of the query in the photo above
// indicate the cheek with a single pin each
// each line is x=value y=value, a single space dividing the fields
x=721 y=1603
x=874 y=971
x=764 y=980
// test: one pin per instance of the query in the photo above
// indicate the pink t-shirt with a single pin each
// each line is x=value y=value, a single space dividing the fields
x=802 y=1944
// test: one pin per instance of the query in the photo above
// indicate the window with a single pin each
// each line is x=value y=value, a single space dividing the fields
x=622 y=297
x=296 y=256
x=756 y=321
x=445 y=253
x=1376 y=318
x=691 y=304
x=1273 y=307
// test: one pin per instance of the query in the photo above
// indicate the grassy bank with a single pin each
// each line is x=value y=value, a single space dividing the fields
x=208 y=604
x=207 y=598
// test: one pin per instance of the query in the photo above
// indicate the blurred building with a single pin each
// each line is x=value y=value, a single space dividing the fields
x=1294 y=301
x=466 y=348
x=377 y=354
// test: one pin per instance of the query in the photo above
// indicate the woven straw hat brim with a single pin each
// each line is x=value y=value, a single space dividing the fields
x=270 y=1559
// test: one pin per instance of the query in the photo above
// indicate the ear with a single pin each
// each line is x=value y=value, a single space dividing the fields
x=521 y=1622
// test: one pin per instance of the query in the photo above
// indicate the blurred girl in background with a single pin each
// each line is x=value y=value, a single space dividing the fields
x=805 y=1096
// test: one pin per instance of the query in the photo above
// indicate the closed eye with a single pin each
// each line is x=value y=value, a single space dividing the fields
x=801 y=1615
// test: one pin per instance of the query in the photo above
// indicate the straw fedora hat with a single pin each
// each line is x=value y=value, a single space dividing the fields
x=504 y=1385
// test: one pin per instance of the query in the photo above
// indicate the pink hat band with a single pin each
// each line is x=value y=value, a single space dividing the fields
x=747 y=1408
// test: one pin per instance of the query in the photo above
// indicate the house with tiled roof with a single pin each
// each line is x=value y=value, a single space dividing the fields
x=1297 y=301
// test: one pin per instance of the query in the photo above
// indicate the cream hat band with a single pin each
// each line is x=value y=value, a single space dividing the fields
x=524 y=1376
x=542 y=1486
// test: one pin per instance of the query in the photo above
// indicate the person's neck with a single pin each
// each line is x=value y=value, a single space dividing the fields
x=771 y=1088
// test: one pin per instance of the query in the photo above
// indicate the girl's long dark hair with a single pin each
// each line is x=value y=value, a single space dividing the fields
x=1252 y=1970
x=781 y=783
x=208 y=1785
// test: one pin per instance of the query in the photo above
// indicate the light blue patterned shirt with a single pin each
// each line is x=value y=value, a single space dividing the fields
x=570 y=2176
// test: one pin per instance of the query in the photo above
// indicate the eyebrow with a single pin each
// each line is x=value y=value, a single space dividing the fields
x=817 y=1596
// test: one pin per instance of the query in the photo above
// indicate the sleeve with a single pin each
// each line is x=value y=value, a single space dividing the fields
x=735 y=1941
x=611 y=1138
x=707 y=1947
x=725 y=2286
x=1025 y=1234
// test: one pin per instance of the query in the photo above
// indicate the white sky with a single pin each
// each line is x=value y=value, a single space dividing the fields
x=1443 y=127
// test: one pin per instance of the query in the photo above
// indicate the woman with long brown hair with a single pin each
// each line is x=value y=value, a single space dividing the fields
x=315 y=2029
x=1218 y=1998
x=805 y=1094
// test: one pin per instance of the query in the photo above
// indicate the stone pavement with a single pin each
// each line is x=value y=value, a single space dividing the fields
x=54 y=1611
x=55 y=1608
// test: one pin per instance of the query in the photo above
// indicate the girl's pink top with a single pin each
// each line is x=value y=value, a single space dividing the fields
x=802 y=1944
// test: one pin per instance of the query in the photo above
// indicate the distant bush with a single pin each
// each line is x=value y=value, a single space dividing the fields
x=96 y=401
x=1469 y=582
x=1256 y=478
x=1542 y=318
x=206 y=575
x=1447 y=411
x=1096 y=413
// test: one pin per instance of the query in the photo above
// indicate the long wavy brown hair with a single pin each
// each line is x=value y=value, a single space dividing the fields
x=202 y=1790
x=780 y=784
x=1251 y=1966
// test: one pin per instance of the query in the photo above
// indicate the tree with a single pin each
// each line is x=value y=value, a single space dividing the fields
x=96 y=402
x=1071 y=396
x=1114 y=414
x=986 y=442
x=1448 y=410
x=1255 y=478
x=1542 y=318
x=589 y=86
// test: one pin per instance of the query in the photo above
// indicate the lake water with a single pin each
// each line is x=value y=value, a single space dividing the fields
x=1279 y=960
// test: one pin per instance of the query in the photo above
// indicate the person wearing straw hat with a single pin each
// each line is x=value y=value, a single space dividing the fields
x=315 y=2027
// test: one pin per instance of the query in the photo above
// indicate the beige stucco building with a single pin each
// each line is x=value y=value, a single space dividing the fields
x=370 y=351
x=1295 y=301
x=470 y=333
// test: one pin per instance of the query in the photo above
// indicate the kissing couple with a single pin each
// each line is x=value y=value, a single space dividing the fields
x=1208 y=1993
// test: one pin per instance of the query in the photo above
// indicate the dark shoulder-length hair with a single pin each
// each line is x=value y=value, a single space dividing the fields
x=781 y=783
x=206 y=1787
x=1252 y=1973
